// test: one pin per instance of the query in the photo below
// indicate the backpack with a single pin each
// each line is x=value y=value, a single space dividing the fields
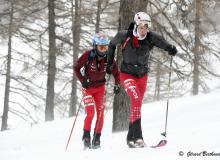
x=91 y=56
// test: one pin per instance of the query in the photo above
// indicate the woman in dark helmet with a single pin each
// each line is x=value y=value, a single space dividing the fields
x=136 y=44
x=94 y=63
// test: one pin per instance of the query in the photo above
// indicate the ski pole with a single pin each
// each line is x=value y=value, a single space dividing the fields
x=74 y=123
x=165 y=132
x=101 y=111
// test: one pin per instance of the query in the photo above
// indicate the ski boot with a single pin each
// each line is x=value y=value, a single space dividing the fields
x=96 y=141
x=139 y=143
x=86 y=139
x=134 y=137
x=86 y=143
x=130 y=137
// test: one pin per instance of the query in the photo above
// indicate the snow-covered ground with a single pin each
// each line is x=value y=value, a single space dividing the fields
x=193 y=128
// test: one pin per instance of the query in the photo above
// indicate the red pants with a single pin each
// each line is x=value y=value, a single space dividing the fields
x=94 y=98
x=135 y=88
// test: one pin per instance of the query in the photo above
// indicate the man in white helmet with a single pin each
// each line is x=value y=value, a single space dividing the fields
x=136 y=44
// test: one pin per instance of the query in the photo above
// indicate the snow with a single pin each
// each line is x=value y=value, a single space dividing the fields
x=192 y=129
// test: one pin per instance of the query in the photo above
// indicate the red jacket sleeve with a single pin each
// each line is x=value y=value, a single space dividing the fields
x=115 y=73
x=81 y=62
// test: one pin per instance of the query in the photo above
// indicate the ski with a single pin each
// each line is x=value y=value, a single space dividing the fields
x=86 y=148
x=160 y=144
x=91 y=147
x=96 y=147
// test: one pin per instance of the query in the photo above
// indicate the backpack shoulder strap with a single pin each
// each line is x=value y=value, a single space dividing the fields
x=92 y=54
x=125 y=43
x=129 y=35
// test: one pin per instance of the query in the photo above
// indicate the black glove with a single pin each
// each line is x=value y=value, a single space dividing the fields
x=117 y=89
x=109 y=69
x=85 y=83
x=172 y=50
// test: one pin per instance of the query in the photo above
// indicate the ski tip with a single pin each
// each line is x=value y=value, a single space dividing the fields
x=160 y=144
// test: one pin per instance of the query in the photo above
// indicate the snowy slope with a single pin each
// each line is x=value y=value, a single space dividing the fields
x=193 y=127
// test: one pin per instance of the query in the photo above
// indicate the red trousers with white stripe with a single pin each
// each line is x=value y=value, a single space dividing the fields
x=135 y=87
x=93 y=99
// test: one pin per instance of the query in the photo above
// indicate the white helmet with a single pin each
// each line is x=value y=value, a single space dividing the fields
x=142 y=18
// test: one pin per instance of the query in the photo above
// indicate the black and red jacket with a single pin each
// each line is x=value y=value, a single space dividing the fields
x=94 y=69
x=135 y=52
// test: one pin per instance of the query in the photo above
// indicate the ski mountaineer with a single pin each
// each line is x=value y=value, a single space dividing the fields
x=136 y=44
x=94 y=63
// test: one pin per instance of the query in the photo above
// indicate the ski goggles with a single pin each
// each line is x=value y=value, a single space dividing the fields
x=102 y=47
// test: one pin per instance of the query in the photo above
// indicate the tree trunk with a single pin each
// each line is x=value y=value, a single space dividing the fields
x=121 y=105
x=8 y=74
x=49 y=112
x=76 y=42
x=157 y=83
x=98 y=16
x=196 y=48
